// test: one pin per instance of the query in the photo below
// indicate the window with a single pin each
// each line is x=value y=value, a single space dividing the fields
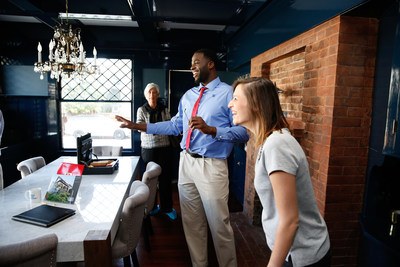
x=90 y=105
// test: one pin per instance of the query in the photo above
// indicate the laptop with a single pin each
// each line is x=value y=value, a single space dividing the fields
x=44 y=215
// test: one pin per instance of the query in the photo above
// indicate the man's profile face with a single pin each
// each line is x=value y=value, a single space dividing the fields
x=199 y=68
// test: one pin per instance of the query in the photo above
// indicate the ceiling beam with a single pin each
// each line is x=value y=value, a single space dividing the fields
x=141 y=10
x=29 y=8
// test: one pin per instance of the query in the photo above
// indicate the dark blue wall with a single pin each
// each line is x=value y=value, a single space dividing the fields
x=276 y=23
x=29 y=132
x=382 y=180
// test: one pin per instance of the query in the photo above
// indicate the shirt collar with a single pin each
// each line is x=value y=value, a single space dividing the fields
x=211 y=85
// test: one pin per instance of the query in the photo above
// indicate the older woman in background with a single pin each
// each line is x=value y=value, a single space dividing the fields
x=157 y=148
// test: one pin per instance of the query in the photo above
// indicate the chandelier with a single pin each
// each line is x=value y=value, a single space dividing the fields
x=67 y=57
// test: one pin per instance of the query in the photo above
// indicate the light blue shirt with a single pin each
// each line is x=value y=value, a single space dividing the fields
x=213 y=108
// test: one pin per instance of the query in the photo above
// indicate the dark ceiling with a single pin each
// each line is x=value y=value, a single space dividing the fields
x=159 y=28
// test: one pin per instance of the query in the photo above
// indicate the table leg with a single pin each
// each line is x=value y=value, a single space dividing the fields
x=97 y=248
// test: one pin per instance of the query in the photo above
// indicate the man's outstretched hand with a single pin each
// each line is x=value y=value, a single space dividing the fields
x=125 y=123
x=131 y=125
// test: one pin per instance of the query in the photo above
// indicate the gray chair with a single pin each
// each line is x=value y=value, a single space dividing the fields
x=28 y=166
x=150 y=178
x=107 y=150
x=41 y=251
x=130 y=226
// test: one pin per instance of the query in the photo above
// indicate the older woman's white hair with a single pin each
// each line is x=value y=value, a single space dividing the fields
x=151 y=85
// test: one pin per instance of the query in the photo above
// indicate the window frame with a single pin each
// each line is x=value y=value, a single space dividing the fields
x=128 y=98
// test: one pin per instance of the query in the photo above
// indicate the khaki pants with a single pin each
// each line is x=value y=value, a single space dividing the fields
x=203 y=192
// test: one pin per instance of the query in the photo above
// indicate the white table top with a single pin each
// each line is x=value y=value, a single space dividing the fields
x=98 y=206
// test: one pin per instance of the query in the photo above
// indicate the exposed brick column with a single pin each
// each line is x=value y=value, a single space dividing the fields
x=349 y=143
x=326 y=75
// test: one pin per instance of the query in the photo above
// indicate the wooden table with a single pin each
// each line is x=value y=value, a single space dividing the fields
x=87 y=235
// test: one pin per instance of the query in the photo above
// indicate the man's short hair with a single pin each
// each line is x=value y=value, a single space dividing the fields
x=208 y=53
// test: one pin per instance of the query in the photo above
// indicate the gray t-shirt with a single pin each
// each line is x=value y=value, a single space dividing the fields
x=281 y=152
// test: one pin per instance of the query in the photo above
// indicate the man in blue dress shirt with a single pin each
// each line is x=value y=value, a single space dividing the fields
x=203 y=170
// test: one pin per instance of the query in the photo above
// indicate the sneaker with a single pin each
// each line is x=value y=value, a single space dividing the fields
x=172 y=215
x=155 y=211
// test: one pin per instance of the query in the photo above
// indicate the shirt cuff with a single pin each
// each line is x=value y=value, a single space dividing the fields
x=151 y=128
x=222 y=134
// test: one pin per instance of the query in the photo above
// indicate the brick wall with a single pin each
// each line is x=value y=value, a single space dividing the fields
x=288 y=74
x=326 y=75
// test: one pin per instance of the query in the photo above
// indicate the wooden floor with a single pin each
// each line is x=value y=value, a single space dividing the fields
x=168 y=244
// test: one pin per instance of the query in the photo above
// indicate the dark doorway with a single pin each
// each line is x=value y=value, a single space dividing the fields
x=179 y=82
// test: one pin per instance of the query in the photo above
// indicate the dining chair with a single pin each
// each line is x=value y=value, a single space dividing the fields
x=40 y=251
x=107 y=150
x=150 y=178
x=130 y=226
x=28 y=166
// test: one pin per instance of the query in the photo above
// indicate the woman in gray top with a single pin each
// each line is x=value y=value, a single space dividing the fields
x=294 y=228
x=157 y=148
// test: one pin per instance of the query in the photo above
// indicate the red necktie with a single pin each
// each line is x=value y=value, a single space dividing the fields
x=194 y=113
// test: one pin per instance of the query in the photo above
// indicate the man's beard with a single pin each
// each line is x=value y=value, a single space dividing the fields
x=203 y=76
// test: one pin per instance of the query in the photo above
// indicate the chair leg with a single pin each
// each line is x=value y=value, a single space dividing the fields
x=145 y=232
x=135 y=260
x=127 y=261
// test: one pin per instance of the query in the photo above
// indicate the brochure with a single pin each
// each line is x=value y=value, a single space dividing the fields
x=63 y=188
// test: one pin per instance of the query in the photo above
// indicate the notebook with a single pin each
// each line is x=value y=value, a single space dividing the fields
x=44 y=215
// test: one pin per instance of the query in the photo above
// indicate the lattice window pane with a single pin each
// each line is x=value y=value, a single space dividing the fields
x=90 y=105
x=114 y=83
